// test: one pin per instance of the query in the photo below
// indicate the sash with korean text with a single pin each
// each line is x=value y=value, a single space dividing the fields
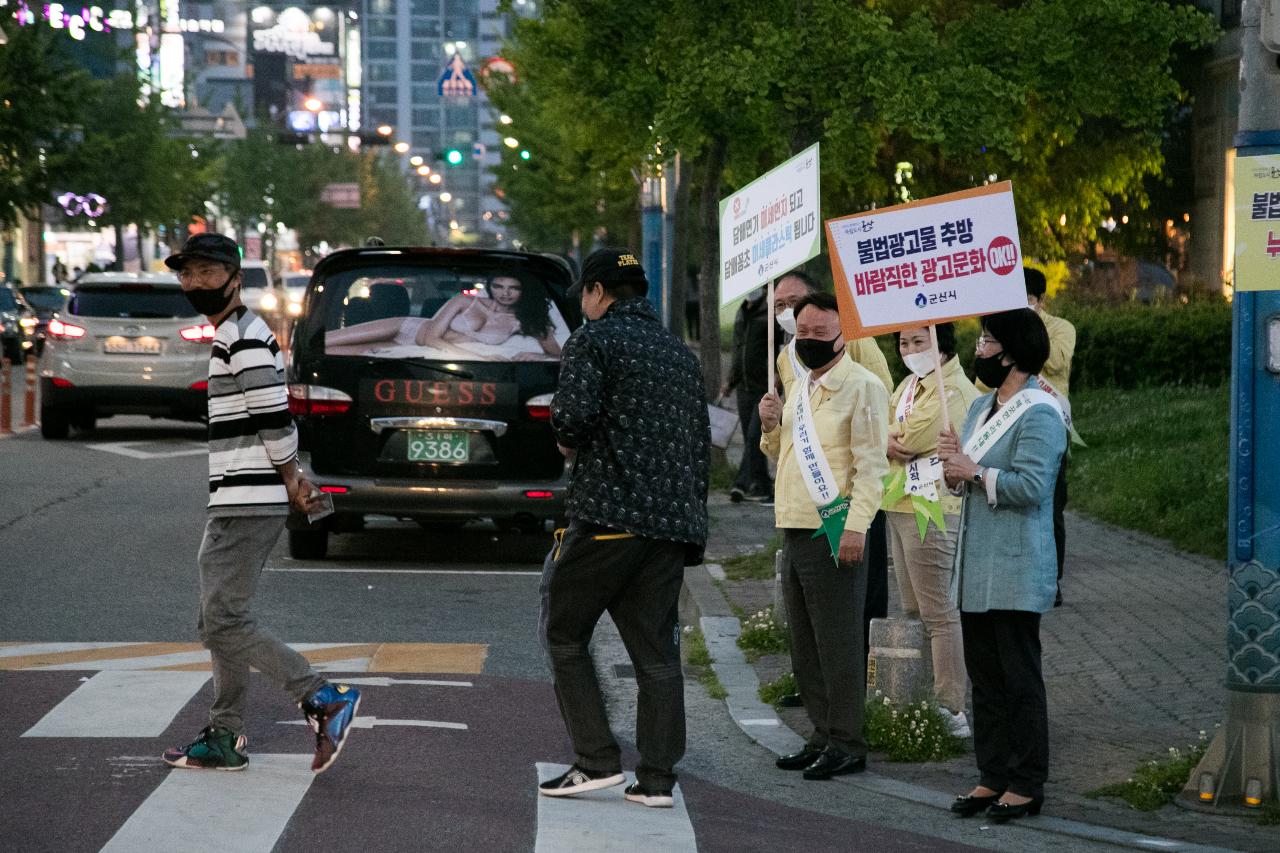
x=816 y=472
x=984 y=439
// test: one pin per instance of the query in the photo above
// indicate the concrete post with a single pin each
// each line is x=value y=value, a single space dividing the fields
x=1239 y=771
x=897 y=663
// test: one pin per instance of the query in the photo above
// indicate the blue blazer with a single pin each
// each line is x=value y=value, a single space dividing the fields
x=1005 y=557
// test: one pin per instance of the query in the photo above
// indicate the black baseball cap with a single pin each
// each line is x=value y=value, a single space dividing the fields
x=209 y=247
x=611 y=267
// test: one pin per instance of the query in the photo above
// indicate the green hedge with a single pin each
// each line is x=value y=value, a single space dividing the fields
x=1128 y=346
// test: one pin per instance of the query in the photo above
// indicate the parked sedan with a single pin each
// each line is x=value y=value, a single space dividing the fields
x=45 y=300
x=127 y=343
x=295 y=290
x=422 y=380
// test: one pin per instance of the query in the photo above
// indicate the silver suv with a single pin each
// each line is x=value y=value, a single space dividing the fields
x=127 y=343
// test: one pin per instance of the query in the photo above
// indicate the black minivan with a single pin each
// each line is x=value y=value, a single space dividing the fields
x=421 y=381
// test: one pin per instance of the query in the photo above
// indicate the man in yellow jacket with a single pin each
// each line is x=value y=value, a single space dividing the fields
x=845 y=416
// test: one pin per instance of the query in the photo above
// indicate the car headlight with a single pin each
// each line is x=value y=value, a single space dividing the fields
x=295 y=308
x=268 y=302
x=27 y=323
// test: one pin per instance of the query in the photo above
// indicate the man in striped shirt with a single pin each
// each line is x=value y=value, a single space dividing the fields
x=253 y=480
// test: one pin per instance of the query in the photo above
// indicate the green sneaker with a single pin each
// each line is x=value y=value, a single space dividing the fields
x=215 y=749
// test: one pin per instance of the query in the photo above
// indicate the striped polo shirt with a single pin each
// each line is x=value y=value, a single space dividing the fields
x=250 y=428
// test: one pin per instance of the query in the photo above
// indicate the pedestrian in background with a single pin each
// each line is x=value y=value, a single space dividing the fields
x=749 y=377
x=631 y=413
x=1005 y=460
x=789 y=289
x=923 y=565
x=253 y=481
x=838 y=409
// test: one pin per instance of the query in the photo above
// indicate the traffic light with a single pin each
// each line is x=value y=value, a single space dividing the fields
x=524 y=154
x=453 y=157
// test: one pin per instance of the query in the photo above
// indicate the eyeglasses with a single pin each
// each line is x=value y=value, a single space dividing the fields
x=985 y=341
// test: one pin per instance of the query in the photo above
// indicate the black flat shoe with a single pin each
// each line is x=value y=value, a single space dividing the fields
x=791 y=700
x=799 y=760
x=969 y=805
x=1002 y=812
x=832 y=763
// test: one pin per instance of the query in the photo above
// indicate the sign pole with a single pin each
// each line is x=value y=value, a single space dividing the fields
x=773 y=379
x=937 y=372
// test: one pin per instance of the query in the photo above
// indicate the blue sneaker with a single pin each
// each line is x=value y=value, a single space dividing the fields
x=330 y=711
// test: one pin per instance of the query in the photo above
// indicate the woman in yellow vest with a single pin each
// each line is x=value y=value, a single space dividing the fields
x=923 y=565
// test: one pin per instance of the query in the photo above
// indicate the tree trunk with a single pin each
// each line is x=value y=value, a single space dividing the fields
x=680 y=249
x=708 y=276
x=119 y=264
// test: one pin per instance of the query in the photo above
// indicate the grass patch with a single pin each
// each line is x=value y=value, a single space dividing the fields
x=757 y=565
x=915 y=733
x=1156 y=462
x=697 y=656
x=1155 y=783
x=722 y=473
x=772 y=693
x=1270 y=815
x=762 y=635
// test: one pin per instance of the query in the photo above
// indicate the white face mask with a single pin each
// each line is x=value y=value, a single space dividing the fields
x=919 y=363
x=787 y=320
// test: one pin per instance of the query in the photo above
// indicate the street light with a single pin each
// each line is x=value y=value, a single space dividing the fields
x=415 y=160
x=384 y=130
x=401 y=148
x=504 y=119
x=511 y=142
x=435 y=178
x=424 y=170
x=313 y=104
x=446 y=197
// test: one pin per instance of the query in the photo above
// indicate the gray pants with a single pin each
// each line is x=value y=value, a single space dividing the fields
x=231 y=558
x=824 y=611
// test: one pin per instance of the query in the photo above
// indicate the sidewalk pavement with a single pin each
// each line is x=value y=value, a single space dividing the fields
x=1133 y=664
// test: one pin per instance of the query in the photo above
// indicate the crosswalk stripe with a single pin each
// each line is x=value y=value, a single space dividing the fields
x=603 y=822
x=214 y=811
x=466 y=658
x=121 y=704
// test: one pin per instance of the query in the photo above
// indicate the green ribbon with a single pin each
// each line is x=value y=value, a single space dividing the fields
x=833 y=516
x=925 y=510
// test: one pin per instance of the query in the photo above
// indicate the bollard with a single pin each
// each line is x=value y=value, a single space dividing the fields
x=898 y=662
x=6 y=405
x=779 y=602
x=29 y=410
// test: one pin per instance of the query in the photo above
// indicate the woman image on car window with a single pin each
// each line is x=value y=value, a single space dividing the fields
x=512 y=308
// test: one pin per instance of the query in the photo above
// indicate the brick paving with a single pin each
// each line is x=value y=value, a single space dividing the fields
x=1134 y=664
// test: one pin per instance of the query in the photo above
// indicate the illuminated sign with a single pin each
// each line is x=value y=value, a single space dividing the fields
x=91 y=205
x=78 y=23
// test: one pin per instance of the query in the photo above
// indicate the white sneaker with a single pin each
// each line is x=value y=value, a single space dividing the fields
x=957 y=723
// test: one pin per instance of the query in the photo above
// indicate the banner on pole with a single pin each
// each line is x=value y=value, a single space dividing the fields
x=1257 y=209
x=929 y=261
x=770 y=226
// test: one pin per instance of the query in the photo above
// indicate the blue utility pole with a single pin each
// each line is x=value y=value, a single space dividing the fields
x=651 y=236
x=1239 y=771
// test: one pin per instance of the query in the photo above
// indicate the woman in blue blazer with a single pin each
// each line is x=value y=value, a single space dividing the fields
x=1006 y=462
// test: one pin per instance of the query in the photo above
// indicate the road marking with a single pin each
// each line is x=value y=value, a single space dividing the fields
x=207 y=809
x=121 y=704
x=461 y=658
x=603 y=822
x=383 y=681
x=370 y=722
x=129 y=448
x=336 y=571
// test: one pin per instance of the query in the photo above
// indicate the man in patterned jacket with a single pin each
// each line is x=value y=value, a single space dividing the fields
x=253 y=480
x=631 y=413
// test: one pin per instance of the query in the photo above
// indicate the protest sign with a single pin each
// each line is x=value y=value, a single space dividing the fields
x=770 y=226
x=926 y=262
x=1257 y=208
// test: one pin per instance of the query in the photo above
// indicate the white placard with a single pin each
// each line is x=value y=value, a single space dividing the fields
x=928 y=261
x=770 y=226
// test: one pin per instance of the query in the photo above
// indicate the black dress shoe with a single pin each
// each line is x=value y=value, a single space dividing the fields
x=799 y=760
x=791 y=700
x=1002 y=812
x=834 y=763
x=969 y=805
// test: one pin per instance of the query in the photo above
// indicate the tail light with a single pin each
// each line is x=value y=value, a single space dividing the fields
x=539 y=495
x=202 y=385
x=60 y=329
x=59 y=382
x=334 y=490
x=317 y=400
x=196 y=334
x=539 y=408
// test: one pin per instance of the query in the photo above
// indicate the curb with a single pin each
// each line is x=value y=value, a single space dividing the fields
x=702 y=603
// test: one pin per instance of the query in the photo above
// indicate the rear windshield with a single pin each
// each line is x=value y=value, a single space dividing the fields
x=140 y=302
x=447 y=313
x=46 y=298
x=7 y=300
x=254 y=277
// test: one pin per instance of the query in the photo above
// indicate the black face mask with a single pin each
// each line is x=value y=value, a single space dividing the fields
x=211 y=303
x=814 y=353
x=990 y=371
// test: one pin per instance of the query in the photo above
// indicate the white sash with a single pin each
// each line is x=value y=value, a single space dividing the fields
x=994 y=429
x=907 y=401
x=1063 y=404
x=814 y=468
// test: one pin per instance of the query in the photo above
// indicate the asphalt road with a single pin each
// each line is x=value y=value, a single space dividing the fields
x=97 y=542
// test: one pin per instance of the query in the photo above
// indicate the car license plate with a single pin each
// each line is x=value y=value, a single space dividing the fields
x=448 y=447
x=131 y=346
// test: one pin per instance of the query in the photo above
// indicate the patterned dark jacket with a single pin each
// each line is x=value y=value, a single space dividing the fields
x=631 y=403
